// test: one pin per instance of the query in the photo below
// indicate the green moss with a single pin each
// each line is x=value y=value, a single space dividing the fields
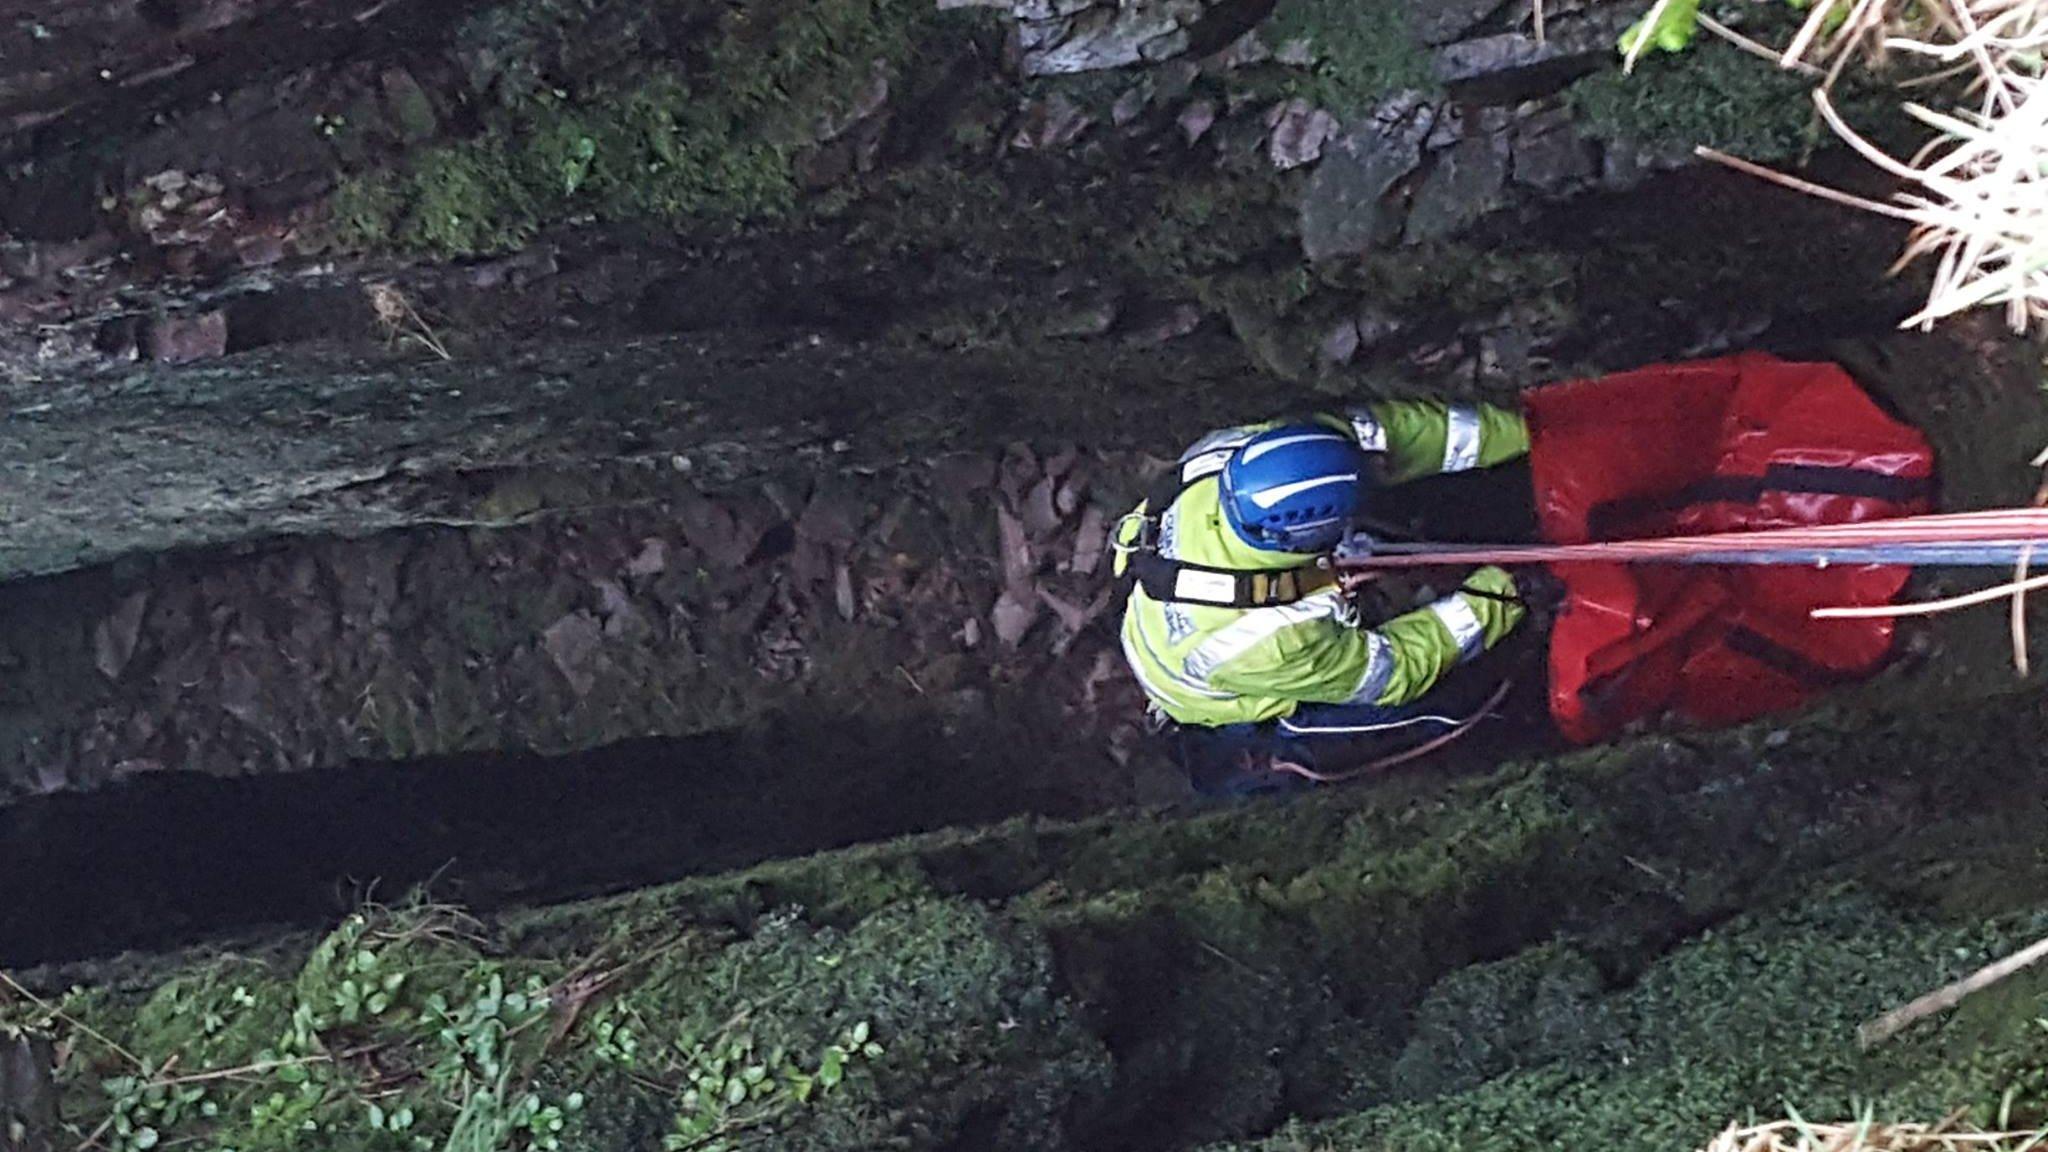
x=362 y=212
x=1754 y=1016
x=1364 y=50
x=716 y=141
x=1713 y=95
x=1507 y=955
x=1716 y=95
x=1541 y=1006
x=1263 y=307
x=1201 y=225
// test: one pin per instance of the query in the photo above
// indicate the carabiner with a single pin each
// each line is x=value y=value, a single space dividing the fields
x=1142 y=538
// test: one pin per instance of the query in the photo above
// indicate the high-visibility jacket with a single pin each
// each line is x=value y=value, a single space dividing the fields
x=1207 y=665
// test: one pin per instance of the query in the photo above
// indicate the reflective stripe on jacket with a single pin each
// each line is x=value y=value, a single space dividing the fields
x=1213 y=666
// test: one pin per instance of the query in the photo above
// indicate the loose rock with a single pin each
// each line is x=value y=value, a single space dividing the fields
x=1550 y=155
x=1012 y=617
x=28 y=1094
x=652 y=559
x=1512 y=65
x=1128 y=33
x=1159 y=325
x=572 y=643
x=1341 y=344
x=1091 y=540
x=1048 y=124
x=114 y=639
x=1465 y=185
x=1299 y=132
x=184 y=339
x=1196 y=120
x=1342 y=213
x=1442 y=21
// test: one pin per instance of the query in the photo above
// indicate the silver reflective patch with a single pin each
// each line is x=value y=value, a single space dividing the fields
x=1225 y=439
x=1464 y=624
x=1372 y=435
x=1461 y=439
x=1379 y=669
x=1253 y=627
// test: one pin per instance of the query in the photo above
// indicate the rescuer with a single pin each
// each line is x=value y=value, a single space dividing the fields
x=1237 y=627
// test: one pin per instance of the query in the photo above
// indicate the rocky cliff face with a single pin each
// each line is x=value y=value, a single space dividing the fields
x=544 y=376
x=386 y=390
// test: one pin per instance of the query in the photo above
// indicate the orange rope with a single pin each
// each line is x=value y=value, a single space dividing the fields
x=1399 y=758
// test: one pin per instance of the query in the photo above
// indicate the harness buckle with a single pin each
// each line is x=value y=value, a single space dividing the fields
x=1146 y=539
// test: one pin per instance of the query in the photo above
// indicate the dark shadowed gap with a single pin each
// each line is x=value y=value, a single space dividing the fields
x=174 y=858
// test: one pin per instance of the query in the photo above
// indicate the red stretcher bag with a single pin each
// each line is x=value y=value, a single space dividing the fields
x=1746 y=442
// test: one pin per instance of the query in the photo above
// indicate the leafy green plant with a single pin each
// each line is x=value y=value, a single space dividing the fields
x=734 y=1088
x=1668 y=26
x=142 y=1106
x=615 y=1033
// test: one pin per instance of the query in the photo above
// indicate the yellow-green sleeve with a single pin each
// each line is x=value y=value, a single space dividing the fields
x=1428 y=437
x=1304 y=652
x=1428 y=642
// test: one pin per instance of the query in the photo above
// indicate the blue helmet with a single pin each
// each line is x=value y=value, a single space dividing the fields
x=1294 y=488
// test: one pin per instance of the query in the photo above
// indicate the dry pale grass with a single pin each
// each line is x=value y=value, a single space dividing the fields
x=1797 y=1135
x=402 y=321
x=1977 y=193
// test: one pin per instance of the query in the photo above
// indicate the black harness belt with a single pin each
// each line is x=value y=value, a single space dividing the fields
x=1176 y=581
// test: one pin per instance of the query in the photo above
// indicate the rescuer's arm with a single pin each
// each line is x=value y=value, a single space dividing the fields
x=1303 y=652
x=1427 y=437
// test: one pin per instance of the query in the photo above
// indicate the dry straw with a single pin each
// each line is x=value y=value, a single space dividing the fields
x=1797 y=1135
x=1977 y=194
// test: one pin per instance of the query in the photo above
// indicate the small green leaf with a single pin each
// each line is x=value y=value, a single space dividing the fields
x=1673 y=31
x=801 y=1087
x=735 y=1091
x=833 y=1067
x=871 y=1050
x=376 y=1116
x=860 y=1032
x=574 y=1103
x=145 y=1138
